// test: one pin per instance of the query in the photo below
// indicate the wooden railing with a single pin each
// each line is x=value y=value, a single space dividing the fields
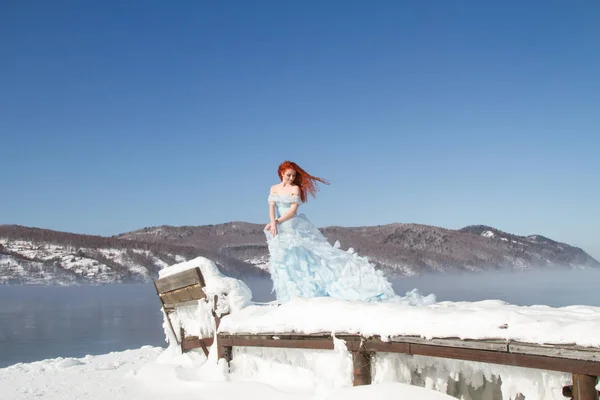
x=582 y=362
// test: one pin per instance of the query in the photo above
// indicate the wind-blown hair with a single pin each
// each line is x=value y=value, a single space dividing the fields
x=305 y=181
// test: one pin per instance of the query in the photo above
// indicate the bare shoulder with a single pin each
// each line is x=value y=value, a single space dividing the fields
x=274 y=188
x=295 y=190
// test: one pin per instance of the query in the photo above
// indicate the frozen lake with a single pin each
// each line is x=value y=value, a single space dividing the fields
x=39 y=322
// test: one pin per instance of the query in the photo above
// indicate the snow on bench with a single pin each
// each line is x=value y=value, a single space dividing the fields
x=195 y=296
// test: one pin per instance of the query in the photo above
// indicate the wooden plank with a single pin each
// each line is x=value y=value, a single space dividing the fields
x=520 y=360
x=495 y=345
x=584 y=387
x=225 y=352
x=170 y=299
x=166 y=312
x=479 y=351
x=264 y=334
x=559 y=351
x=562 y=351
x=567 y=391
x=376 y=345
x=276 y=337
x=307 y=336
x=182 y=295
x=574 y=352
x=396 y=344
x=170 y=307
x=195 y=292
x=204 y=347
x=180 y=280
x=361 y=363
x=317 y=344
x=193 y=342
x=181 y=338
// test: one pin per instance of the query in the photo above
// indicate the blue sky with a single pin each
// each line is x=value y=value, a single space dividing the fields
x=119 y=115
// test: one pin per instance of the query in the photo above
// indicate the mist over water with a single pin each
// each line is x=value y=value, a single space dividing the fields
x=39 y=322
x=552 y=287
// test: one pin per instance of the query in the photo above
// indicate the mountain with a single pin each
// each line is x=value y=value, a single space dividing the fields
x=42 y=256
x=396 y=248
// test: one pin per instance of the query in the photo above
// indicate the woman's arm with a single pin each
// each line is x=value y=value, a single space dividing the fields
x=272 y=225
x=291 y=213
x=272 y=212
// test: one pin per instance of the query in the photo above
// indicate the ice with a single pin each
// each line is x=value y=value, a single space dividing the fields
x=298 y=374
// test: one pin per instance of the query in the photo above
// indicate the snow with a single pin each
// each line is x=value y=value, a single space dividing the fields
x=488 y=234
x=42 y=251
x=32 y=271
x=259 y=262
x=298 y=374
x=326 y=371
x=462 y=378
x=9 y=262
x=387 y=391
x=146 y=374
x=121 y=257
x=233 y=293
x=46 y=263
x=416 y=315
x=159 y=263
x=197 y=320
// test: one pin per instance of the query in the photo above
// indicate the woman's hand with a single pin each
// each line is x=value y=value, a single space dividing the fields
x=272 y=227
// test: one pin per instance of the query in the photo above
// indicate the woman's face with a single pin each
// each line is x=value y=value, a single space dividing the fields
x=288 y=176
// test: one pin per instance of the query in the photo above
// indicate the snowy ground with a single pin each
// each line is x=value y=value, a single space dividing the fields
x=149 y=375
x=415 y=315
x=286 y=374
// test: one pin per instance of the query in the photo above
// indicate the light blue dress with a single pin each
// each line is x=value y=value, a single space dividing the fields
x=303 y=263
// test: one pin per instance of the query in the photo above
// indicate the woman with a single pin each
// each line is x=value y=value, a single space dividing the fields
x=302 y=262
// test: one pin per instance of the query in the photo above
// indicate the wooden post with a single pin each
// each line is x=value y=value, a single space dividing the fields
x=361 y=361
x=181 y=337
x=204 y=348
x=214 y=313
x=225 y=352
x=584 y=387
x=165 y=311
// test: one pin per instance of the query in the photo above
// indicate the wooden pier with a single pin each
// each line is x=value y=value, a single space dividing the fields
x=582 y=362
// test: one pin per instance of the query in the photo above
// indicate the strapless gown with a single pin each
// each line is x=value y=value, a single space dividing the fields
x=303 y=263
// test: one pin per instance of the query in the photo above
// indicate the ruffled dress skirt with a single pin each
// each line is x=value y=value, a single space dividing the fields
x=303 y=264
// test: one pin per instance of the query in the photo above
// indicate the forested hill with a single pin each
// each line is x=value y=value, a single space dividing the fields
x=42 y=256
x=396 y=248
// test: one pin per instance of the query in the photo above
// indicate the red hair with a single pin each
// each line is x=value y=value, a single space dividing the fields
x=305 y=181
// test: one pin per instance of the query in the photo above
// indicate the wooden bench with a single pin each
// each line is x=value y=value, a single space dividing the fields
x=182 y=289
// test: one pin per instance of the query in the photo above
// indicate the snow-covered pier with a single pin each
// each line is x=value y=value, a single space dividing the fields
x=412 y=339
x=583 y=363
